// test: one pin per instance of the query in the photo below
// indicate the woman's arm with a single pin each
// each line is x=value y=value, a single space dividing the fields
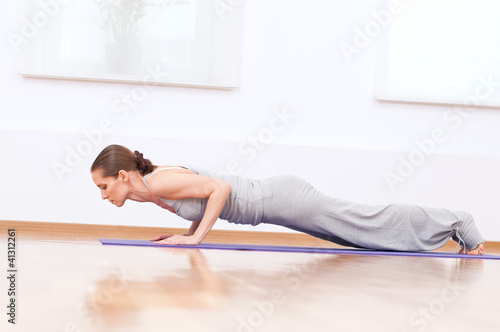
x=174 y=185
x=193 y=228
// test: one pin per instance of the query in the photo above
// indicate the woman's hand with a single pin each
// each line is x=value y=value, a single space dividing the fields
x=174 y=239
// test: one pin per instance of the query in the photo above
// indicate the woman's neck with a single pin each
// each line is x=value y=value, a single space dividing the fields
x=138 y=191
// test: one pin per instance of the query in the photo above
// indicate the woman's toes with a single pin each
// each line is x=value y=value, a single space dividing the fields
x=479 y=250
x=472 y=252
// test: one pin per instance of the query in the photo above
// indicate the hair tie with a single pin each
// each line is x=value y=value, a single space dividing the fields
x=141 y=163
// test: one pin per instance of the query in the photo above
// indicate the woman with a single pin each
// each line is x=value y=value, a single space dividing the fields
x=202 y=197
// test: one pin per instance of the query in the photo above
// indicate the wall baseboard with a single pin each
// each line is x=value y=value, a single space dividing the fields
x=52 y=231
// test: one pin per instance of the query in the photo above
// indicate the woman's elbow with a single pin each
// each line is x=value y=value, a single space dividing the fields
x=220 y=188
x=226 y=188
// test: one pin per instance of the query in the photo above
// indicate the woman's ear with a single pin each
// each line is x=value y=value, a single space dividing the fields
x=123 y=176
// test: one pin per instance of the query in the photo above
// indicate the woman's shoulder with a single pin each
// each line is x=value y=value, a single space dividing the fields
x=161 y=179
x=160 y=173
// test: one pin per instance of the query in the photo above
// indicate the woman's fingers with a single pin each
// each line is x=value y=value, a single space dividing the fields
x=179 y=240
x=173 y=239
x=161 y=237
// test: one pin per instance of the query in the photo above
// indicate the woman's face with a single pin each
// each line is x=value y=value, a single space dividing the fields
x=114 y=190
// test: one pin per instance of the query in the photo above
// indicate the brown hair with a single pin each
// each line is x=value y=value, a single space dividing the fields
x=115 y=158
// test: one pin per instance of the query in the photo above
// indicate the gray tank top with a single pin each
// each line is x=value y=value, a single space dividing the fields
x=243 y=206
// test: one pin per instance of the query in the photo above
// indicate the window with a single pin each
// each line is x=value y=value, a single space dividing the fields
x=440 y=51
x=177 y=42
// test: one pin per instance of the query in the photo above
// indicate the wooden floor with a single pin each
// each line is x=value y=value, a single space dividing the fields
x=68 y=282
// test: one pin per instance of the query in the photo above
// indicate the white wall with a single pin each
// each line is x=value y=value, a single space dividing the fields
x=341 y=139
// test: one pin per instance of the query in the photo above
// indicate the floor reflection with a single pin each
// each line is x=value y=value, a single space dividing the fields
x=225 y=291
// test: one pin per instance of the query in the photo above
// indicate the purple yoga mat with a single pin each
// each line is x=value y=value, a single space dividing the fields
x=336 y=251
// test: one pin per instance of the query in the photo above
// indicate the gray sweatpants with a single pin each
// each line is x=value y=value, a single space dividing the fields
x=292 y=202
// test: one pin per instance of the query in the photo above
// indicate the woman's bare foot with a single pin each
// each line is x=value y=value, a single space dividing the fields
x=479 y=250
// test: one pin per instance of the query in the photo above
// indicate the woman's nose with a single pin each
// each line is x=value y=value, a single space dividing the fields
x=104 y=195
